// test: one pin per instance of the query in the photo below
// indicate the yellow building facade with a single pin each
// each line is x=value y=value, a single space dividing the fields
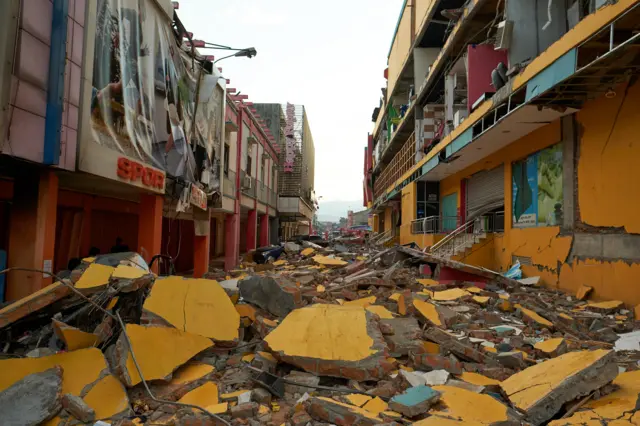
x=543 y=171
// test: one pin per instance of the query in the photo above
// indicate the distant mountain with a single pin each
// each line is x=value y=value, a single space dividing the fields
x=332 y=211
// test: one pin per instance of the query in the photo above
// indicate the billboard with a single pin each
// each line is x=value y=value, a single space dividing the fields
x=537 y=189
x=151 y=103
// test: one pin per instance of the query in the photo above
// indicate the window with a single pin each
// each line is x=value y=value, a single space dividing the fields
x=249 y=165
x=226 y=159
x=537 y=189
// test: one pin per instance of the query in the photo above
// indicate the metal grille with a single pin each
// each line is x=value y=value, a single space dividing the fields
x=400 y=164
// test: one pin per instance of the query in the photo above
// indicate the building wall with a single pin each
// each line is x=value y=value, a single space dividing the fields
x=602 y=248
x=400 y=47
x=308 y=158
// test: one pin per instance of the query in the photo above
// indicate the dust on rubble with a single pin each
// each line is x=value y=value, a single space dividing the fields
x=348 y=334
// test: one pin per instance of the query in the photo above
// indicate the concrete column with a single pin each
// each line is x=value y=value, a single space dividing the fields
x=310 y=226
x=201 y=255
x=150 y=226
x=252 y=225
x=232 y=241
x=33 y=226
x=264 y=230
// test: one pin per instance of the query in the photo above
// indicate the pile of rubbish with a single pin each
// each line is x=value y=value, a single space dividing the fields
x=309 y=335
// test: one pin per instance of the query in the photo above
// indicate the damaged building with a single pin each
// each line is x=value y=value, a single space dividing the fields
x=505 y=134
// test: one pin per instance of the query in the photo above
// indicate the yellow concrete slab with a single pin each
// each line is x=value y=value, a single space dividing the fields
x=446 y=421
x=364 y=302
x=328 y=332
x=392 y=414
x=31 y=303
x=470 y=406
x=160 y=351
x=329 y=261
x=107 y=397
x=128 y=272
x=526 y=388
x=376 y=406
x=610 y=407
x=89 y=259
x=80 y=368
x=72 y=337
x=246 y=311
x=321 y=289
x=427 y=282
x=533 y=316
x=203 y=396
x=504 y=296
x=451 y=294
x=112 y=303
x=478 y=379
x=395 y=297
x=381 y=311
x=218 y=408
x=249 y=357
x=428 y=311
x=474 y=290
x=279 y=262
x=490 y=349
x=191 y=372
x=307 y=252
x=549 y=345
x=608 y=305
x=481 y=300
x=583 y=292
x=430 y=347
x=358 y=399
x=565 y=316
x=95 y=277
x=267 y=356
x=233 y=395
x=402 y=305
x=197 y=306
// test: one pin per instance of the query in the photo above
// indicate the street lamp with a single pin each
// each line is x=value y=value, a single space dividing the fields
x=248 y=52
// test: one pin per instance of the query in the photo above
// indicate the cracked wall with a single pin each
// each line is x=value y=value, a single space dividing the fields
x=601 y=246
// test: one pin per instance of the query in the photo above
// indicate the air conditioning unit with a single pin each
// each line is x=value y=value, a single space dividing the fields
x=503 y=35
x=246 y=182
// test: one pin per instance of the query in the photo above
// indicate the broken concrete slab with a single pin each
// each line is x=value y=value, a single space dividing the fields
x=95 y=278
x=338 y=413
x=203 y=396
x=428 y=311
x=292 y=248
x=79 y=409
x=307 y=252
x=197 y=306
x=534 y=319
x=468 y=407
x=451 y=343
x=329 y=261
x=32 y=303
x=605 y=307
x=405 y=337
x=414 y=401
x=450 y=295
x=381 y=311
x=541 y=390
x=159 y=351
x=375 y=406
x=552 y=347
x=276 y=294
x=72 y=337
x=619 y=407
x=478 y=379
x=32 y=399
x=302 y=379
x=583 y=292
x=108 y=398
x=437 y=362
x=332 y=340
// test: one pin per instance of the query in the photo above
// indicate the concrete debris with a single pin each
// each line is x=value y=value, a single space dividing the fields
x=317 y=334
x=78 y=408
x=33 y=399
x=278 y=295
x=415 y=401
x=541 y=390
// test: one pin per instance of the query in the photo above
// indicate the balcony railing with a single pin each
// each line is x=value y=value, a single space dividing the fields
x=490 y=222
x=273 y=199
x=399 y=165
x=468 y=234
x=229 y=186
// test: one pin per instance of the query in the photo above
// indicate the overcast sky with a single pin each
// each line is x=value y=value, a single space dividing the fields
x=327 y=55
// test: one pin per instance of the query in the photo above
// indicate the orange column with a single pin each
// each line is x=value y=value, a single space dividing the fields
x=150 y=226
x=33 y=231
x=201 y=255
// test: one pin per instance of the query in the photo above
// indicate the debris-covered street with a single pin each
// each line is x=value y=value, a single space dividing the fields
x=350 y=334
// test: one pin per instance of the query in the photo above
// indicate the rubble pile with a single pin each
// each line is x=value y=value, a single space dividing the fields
x=309 y=335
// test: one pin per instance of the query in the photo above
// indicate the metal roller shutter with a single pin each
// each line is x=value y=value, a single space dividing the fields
x=485 y=191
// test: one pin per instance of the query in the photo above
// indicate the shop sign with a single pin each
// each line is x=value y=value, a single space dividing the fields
x=136 y=173
x=198 y=198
